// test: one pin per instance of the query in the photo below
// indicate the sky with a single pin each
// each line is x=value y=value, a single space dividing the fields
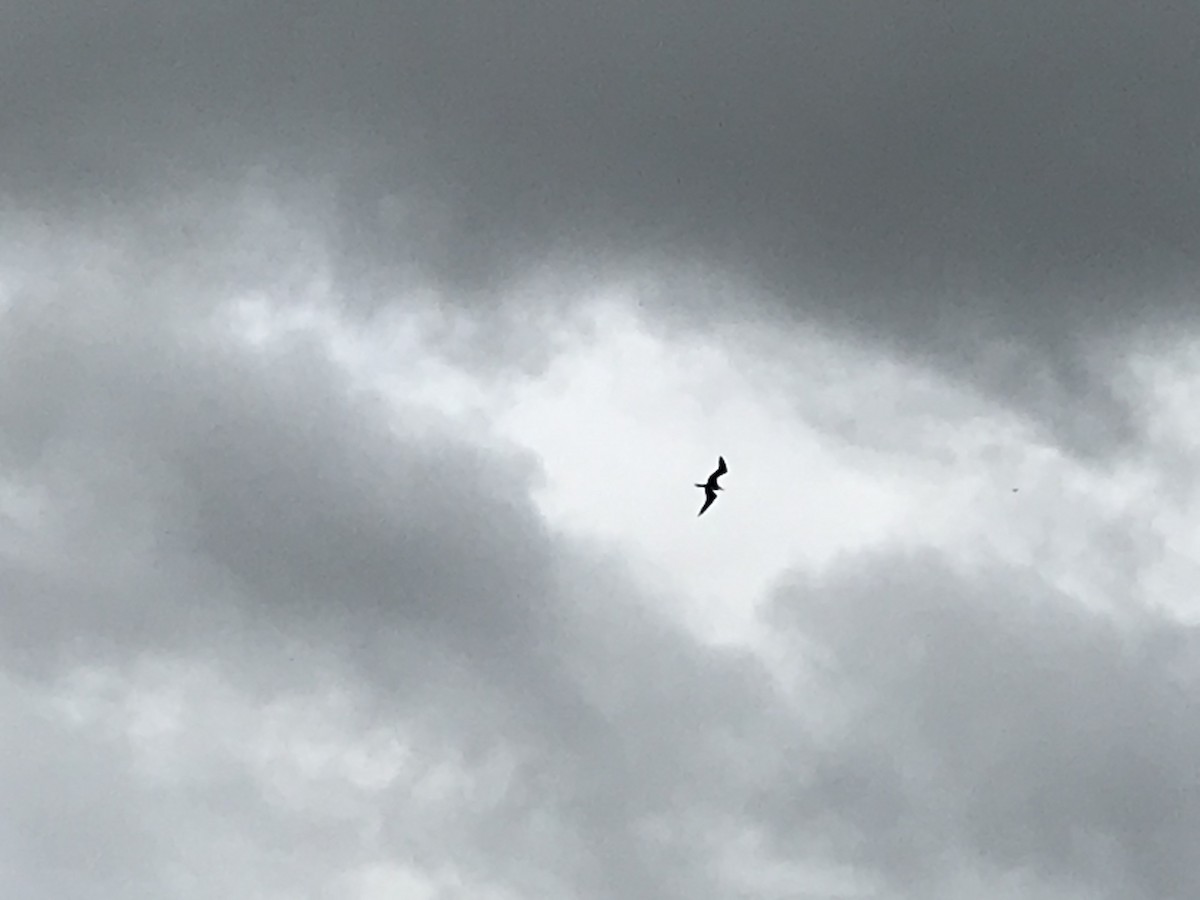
x=357 y=363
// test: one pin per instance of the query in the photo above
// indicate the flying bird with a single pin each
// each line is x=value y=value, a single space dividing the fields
x=711 y=487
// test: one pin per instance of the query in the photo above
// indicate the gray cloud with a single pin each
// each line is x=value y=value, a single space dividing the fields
x=88 y=818
x=941 y=179
x=255 y=513
x=988 y=193
x=998 y=718
x=259 y=476
x=75 y=826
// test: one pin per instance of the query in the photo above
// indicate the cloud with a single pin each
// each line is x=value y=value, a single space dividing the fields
x=992 y=718
x=76 y=825
x=946 y=182
x=158 y=449
x=271 y=601
x=178 y=498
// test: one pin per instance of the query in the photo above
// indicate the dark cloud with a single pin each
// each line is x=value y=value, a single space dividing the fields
x=940 y=178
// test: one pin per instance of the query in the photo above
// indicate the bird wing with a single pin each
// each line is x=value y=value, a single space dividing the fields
x=709 y=496
x=721 y=468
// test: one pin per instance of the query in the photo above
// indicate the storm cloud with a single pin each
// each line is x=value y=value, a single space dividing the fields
x=356 y=363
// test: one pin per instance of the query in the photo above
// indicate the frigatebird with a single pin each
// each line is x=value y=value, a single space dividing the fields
x=711 y=487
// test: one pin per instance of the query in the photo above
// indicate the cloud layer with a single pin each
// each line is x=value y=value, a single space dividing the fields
x=297 y=599
x=954 y=182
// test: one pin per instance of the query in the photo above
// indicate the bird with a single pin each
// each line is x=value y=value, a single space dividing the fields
x=711 y=487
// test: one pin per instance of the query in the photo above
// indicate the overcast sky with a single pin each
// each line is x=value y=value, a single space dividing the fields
x=356 y=365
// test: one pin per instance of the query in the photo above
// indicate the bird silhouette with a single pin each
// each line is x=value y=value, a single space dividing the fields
x=711 y=487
